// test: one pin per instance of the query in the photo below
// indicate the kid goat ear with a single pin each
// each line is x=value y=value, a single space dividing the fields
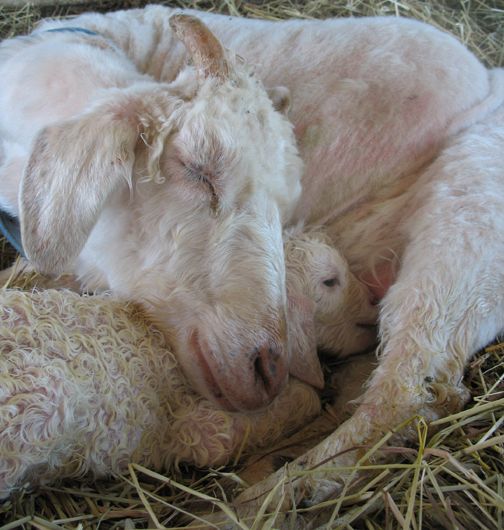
x=281 y=98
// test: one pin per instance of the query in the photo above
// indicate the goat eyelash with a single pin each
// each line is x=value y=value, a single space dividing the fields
x=195 y=173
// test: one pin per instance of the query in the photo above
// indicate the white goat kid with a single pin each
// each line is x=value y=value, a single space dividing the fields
x=401 y=129
x=97 y=387
x=172 y=194
x=336 y=309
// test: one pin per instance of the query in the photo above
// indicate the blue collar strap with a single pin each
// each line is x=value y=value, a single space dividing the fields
x=10 y=229
x=73 y=30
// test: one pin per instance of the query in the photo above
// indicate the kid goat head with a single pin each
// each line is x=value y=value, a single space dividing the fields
x=173 y=195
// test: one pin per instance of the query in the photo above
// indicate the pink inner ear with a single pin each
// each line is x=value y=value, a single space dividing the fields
x=305 y=364
x=379 y=281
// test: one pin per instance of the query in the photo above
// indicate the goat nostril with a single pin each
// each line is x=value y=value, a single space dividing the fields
x=266 y=366
x=260 y=372
x=366 y=325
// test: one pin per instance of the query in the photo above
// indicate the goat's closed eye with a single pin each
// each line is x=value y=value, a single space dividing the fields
x=197 y=173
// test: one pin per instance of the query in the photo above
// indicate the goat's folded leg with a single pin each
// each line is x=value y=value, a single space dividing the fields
x=206 y=436
x=447 y=302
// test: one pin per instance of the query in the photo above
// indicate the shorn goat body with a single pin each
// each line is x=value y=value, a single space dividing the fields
x=88 y=384
x=401 y=130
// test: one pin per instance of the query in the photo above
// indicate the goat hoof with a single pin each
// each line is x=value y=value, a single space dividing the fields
x=319 y=490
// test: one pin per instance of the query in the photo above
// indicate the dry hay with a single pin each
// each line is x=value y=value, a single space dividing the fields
x=451 y=479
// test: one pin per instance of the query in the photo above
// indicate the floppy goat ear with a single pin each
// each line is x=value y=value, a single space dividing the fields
x=305 y=364
x=281 y=98
x=73 y=168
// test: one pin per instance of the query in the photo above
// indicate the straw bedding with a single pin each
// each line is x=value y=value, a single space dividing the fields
x=451 y=479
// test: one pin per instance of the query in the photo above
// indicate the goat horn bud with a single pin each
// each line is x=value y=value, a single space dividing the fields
x=206 y=51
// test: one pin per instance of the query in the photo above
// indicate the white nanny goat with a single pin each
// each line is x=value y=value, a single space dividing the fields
x=401 y=129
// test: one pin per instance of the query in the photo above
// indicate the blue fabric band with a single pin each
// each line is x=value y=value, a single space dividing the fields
x=73 y=30
x=10 y=229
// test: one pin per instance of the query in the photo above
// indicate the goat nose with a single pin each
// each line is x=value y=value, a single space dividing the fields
x=270 y=368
